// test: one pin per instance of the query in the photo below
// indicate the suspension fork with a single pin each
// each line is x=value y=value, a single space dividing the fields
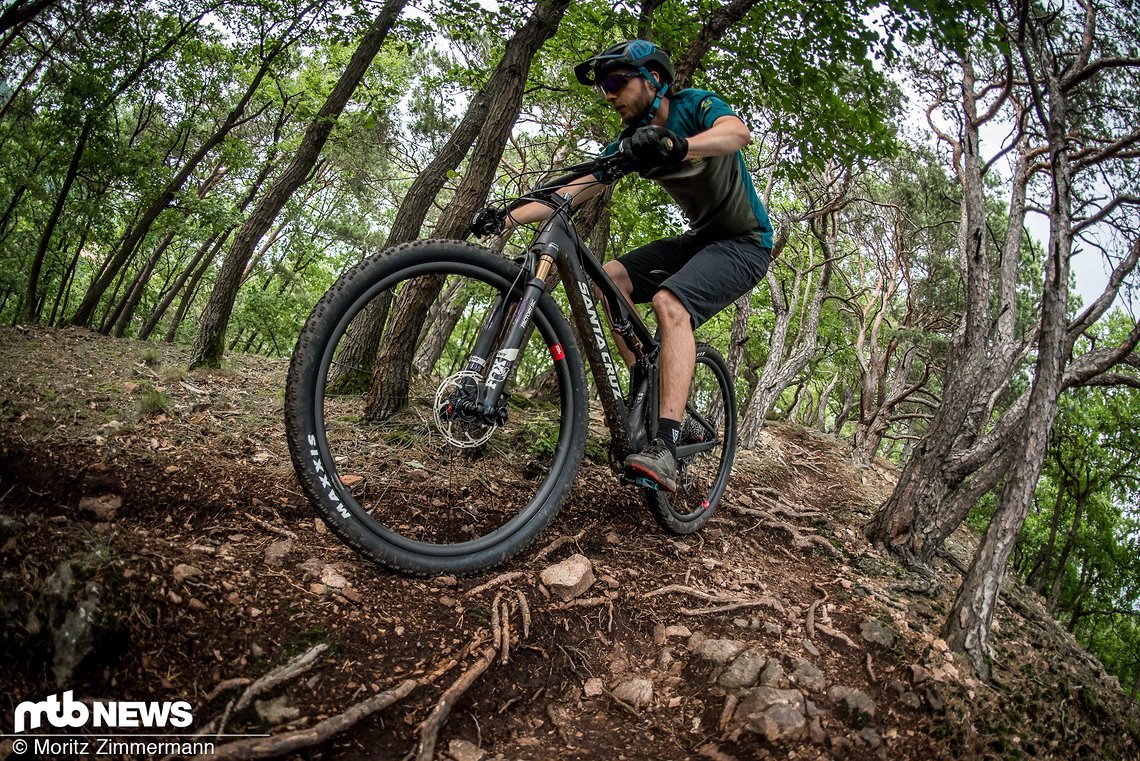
x=518 y=330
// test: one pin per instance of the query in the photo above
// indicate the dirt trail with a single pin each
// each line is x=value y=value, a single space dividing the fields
x=163 y=504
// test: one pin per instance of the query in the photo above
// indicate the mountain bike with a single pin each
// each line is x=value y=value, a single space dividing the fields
x=471 y=458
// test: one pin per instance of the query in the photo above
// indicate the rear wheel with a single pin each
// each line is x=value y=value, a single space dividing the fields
x=705 y=451
x=428 y=486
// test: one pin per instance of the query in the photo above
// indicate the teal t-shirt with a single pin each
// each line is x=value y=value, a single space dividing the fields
x=716 y=194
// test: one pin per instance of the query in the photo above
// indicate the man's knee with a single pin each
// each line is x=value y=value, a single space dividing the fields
x=669 y=309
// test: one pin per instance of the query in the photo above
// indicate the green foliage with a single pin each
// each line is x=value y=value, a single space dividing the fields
x=1080 y=546
x=151 y=402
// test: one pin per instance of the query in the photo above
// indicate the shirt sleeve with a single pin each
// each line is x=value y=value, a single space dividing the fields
x=710 y=108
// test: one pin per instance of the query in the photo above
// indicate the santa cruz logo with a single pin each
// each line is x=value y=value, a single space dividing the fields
x=600 y=337
x=70 y=713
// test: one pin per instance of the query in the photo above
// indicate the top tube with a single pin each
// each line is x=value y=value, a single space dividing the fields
x=606 y=169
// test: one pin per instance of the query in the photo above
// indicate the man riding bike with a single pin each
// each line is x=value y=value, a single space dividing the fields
x=689 y=142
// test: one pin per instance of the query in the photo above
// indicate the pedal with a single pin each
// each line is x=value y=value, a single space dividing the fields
x=647 y=483
x=642 y=481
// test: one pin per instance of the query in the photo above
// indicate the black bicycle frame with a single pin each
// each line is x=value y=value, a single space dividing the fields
x=627 y=415
x=508 y=325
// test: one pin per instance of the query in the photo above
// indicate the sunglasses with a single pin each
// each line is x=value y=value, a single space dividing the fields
x=613 y=83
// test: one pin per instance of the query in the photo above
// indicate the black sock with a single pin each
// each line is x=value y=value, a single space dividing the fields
x=669 y=433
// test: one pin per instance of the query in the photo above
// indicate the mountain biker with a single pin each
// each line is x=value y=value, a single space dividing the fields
x=689 y=142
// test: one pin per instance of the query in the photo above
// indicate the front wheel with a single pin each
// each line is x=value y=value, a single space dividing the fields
x=705 y=451
x=395 y=456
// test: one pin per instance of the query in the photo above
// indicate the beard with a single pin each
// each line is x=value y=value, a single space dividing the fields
x=633 y=111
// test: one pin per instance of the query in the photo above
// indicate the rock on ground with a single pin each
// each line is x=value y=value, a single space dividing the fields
x=877 y=633
x=851 y=705
x=718 y=650
x=807 y=676
x=638 y=692
x=774 y=714
x=570 y=578
x=743 y=671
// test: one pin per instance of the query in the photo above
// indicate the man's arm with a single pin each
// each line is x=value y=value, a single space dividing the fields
x=581 y=190
x=728 y=134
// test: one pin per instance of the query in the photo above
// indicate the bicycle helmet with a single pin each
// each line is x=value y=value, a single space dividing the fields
x=633 y=54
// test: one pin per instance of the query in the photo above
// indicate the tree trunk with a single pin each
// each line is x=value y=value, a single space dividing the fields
x=22 y=11
x=59 y=307
x=968 y=625
x=1083 y=583
x=213 y=242
x=877 y=419
x=210 y=340
x=441 y=322
x=717 y=23
x=77 y=153
x=1063 y=558
x=30 y=295
x=391 y=372
x=903 y=523
x=120 y=318
x=1041 y=572
x=784 y=364
x=187 y=299
x=824 y=400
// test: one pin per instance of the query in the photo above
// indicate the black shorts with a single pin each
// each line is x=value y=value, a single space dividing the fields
x=705 y=275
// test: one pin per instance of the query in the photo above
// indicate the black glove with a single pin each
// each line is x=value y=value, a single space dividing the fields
x=488 y=221
x=654 y=146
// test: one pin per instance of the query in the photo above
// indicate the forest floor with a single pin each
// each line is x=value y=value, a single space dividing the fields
x=154 y=545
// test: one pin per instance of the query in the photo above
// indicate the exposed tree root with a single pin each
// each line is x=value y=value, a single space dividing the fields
x=226 y=684
x=561 y=541
x=290 y=670
x=836 y=636
x=500 y=579
x=429 y=730
x=524 y=609
x=763 y=602
x=800 y=540
x=727 y=603
x=505 y=642
x=621 y=703
x=809 y=625
x=279 y=675
x=271 y=528
x=691 y=591
x=581 y=602
x=559 y=724
x=279 y=745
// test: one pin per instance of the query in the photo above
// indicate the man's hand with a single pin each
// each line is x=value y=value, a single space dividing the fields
x=654 y=146
x=488 y=221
